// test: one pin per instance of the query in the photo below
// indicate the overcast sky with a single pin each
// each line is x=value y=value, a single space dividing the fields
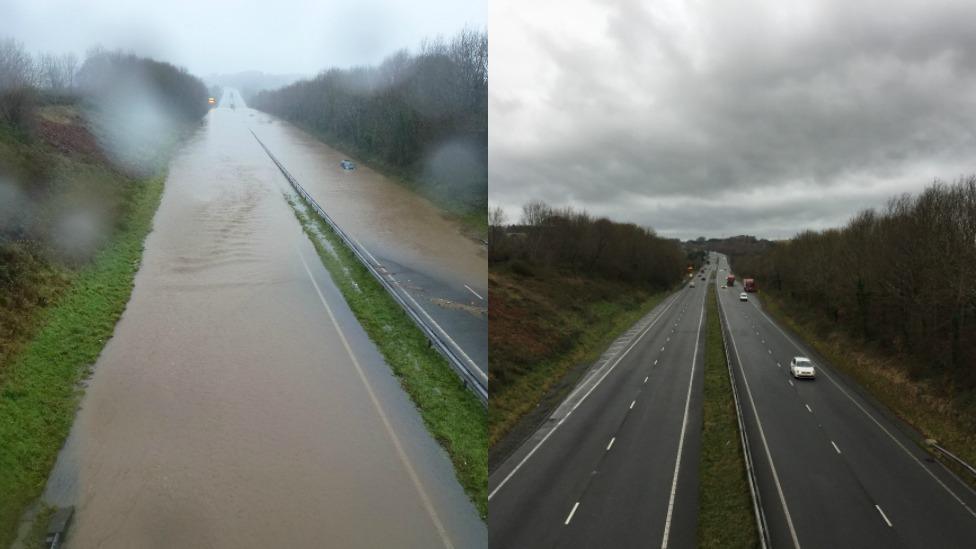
x=720 y=118
x=225 y=36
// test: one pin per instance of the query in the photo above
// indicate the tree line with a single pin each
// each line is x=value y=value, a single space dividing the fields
x=27 y=80
x=423 y=116
x=571 y=240
x=903 y=277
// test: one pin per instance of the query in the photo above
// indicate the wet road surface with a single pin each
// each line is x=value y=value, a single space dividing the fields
x=444 y=271
x=239 y=403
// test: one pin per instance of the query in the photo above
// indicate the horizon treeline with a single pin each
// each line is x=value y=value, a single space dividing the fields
x=28 y=81
x=176 y=91
x=571 y=240
x=902 y=277
x=421 y=116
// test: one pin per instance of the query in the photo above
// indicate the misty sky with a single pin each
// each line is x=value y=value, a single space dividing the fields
x=721 y=118
x=224 y=36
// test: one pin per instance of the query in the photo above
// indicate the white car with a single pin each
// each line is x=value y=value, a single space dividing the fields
x=801 y=366
x=743 y=297
x=724 y=286
x=692 y=285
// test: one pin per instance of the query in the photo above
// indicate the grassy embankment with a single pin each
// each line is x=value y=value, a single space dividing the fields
x=61 y=312
x=931 y=406
x=545 y=329
x=725 y=513
x=452 y=414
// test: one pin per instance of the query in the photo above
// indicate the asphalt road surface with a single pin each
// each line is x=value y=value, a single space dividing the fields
x=239 y=402
x=616 y=465
x=834 y=468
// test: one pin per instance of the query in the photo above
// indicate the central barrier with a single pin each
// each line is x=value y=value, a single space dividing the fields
x=473 y=377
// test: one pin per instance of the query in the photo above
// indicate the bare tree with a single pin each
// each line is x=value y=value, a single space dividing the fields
x=18 y=76
x=57 y=72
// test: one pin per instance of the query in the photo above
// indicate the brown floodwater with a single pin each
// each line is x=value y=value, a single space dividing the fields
x=390 y=220
x=239 y=403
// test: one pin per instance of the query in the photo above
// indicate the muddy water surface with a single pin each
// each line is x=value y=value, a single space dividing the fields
x=444 y=270
x=226 y=410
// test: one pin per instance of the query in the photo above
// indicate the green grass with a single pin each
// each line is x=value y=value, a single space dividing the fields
x=932 y=406
x=725 y=512
x=34 y=538
x=545 y=328
x=39 y=393
x=453 y=415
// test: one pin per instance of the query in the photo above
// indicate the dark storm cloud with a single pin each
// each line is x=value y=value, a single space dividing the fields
x=722 y=118
x=227 y=36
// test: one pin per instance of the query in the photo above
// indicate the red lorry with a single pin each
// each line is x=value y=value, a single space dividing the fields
x=730 y=280
x=748 y=284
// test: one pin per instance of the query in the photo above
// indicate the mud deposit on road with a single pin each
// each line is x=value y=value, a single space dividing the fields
x=225 y=411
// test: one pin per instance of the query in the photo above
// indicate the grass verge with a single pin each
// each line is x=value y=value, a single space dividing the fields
x=40 y=392
x=452 y=413
x=545 y=329
x=928 y=405
x=725 y=512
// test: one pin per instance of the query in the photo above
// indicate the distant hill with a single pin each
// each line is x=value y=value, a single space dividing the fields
x=252 y=82
x=731 y=246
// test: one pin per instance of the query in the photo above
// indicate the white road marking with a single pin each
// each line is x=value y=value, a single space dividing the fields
x=571 y=513
x=645 y=380
x=876 y=422
x=791 y=382
x=632 y=404
x=662 y=349
x=381 y=412
x=835 y=446
x=580 y=401
x=770 y=351
x=681 y=439
x=779 y=365
x=611 y=443
x=762 y=436
x=474 y=292
x=655 y=362
x=669 y=339
x=885 y=517
x=808 y=408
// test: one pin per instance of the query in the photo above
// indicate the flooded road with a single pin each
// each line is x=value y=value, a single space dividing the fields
x=444 y=270
x=239 y=403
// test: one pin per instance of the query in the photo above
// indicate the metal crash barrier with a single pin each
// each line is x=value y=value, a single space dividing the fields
x=473 y=377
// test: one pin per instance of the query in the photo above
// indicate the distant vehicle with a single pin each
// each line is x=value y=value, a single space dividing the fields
x=730 y=280
x=749 y=284
x=724 y=286
x=212 y=101
x=692 y=285
x=801 y=366
x=347 y=165
x=743 y=297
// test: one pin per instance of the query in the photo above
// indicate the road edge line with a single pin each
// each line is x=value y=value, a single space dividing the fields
x=754 y=484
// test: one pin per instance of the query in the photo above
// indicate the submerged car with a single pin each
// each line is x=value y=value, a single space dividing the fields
x=347 y=165
x=802 y=367
x=743 y=297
